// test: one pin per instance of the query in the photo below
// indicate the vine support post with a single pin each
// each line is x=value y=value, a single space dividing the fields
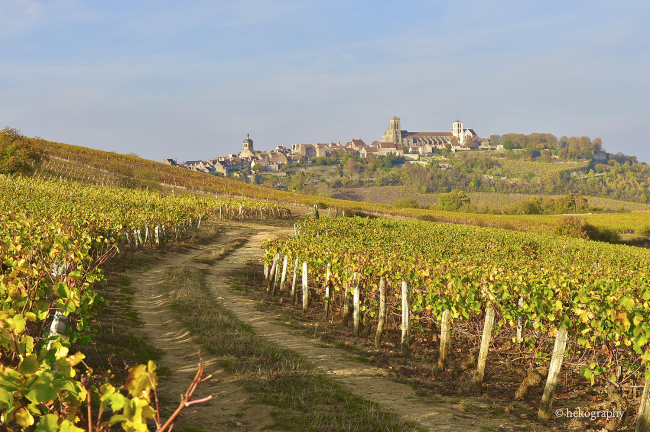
x=520 y=322
x=355 y=303
x=266 y=273
x=643 y=419
x=276 y=280
x=485 y=346
x=445 y=334
x=382 y=312
x=346 y=300
x=305 y=288
x=406 y=318
x=272 y=273
x=294 y=299
x=553 y=374
x=284 y=275
x=327 y=292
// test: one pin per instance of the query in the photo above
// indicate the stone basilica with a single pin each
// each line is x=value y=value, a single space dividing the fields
x=397 y=135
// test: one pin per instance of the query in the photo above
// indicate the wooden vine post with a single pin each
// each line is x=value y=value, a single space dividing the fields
x=294 y=298
x=445 y=333
x=356 y=305
x=485 y=345
x=284 y=275
x=276 y=280
x=305 y=288
x=643 y=419
x=327 y=293
x=520 y=322
x=406 y=318
x=382 y=312
x=346 y=300
x=272 y=273
x=553 y=374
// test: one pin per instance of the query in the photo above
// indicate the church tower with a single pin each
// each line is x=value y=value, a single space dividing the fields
x=248 y=147
x=458 y=131
x=394 y=132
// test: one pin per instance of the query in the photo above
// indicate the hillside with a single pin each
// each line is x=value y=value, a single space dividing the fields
x=620 y=177
x=99 y=167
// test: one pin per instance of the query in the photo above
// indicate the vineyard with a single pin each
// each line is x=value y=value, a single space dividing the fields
x=548 y=309
x=56 y=236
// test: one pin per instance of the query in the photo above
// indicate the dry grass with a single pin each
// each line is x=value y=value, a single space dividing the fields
x=220 y=252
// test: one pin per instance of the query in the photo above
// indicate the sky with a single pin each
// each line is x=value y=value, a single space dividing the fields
x=189 y=80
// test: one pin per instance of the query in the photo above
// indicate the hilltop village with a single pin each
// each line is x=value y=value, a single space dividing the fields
x=396 y=141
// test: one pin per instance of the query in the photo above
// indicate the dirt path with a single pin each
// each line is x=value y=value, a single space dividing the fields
x=230 y=407
x=360 y=378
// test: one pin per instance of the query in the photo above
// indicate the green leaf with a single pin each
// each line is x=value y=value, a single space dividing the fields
x=48 y=423
x=61 y=289
x=75 y=275
x=19 y=323
x=6 y=400
x=41 y=390
x=68 y=426
x=28 y=365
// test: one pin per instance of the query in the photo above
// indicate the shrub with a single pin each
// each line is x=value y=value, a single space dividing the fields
x=572 y=227
x=406 y=203
x=427 y=218
x=609 y=235
x=643 y=231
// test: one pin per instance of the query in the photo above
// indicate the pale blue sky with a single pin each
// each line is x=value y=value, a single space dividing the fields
x=189 y=79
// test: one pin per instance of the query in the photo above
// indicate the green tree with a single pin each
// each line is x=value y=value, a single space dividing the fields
x=597 y=144
x=351 y=168
x=495 y=139
x=19 y=154
x=453 y=200
x=298 y=181
x=508 y=145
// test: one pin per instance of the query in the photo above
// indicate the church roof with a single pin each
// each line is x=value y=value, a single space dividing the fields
x=420 y=134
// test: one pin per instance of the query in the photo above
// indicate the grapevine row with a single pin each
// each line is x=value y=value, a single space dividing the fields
x=534 y=286
x=54 y=239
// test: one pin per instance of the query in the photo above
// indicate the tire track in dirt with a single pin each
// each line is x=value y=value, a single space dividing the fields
x=230 y=407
